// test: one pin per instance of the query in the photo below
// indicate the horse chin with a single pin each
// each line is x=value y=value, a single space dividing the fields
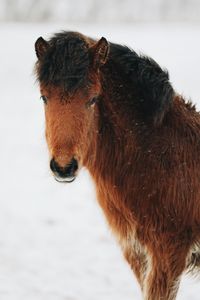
x=65 y=180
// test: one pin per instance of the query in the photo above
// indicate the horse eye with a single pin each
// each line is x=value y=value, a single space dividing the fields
x=44 y=99
x=91 y=102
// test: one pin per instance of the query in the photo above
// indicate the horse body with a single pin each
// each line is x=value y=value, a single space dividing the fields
x=156 y=225
x=140 y=142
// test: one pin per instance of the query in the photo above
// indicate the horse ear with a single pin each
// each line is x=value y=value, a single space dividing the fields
x=41 y=46
x=101 y=51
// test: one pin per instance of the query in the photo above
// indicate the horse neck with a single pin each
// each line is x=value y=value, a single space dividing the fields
x=114 y=126
x=115 y=109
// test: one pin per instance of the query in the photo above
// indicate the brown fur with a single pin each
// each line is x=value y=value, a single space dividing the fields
x=146 y=174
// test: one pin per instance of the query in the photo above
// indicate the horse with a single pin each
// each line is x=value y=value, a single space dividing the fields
x=116 y=113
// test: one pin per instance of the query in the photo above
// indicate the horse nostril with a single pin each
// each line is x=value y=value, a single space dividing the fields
x=68 y=171
x=53 y=165
x=72 y=167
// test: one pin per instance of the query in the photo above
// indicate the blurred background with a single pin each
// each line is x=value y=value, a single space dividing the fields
x=100 y=11
x=54 y=241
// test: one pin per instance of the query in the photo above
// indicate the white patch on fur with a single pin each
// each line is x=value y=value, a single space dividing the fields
x=194 y=251
x=147 y=274
x=131 y=244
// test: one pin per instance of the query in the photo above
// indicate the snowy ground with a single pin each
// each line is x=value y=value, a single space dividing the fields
x=54 y=241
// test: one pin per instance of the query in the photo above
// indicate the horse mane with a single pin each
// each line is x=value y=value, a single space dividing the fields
x=65 y=63
x=153 y=92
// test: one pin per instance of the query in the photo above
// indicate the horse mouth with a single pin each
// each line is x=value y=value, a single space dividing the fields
x=65 y=180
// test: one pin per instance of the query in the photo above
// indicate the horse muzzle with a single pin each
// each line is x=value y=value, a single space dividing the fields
x=64 y=174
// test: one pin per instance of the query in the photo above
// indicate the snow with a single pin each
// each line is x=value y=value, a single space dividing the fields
x=54 y=241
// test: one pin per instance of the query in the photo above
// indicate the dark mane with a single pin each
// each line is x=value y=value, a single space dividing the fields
x=153 y=92
x=65 y=63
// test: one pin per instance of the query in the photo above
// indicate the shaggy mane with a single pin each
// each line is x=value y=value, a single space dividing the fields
x=65 y=63
x=153 y=91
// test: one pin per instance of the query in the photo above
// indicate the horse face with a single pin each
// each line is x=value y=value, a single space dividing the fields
x=70 y=115
x=70 y=124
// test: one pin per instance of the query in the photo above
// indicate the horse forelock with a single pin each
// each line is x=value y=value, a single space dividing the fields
x=66 y=63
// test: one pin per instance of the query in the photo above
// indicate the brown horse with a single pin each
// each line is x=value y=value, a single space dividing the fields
x=116 y=113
